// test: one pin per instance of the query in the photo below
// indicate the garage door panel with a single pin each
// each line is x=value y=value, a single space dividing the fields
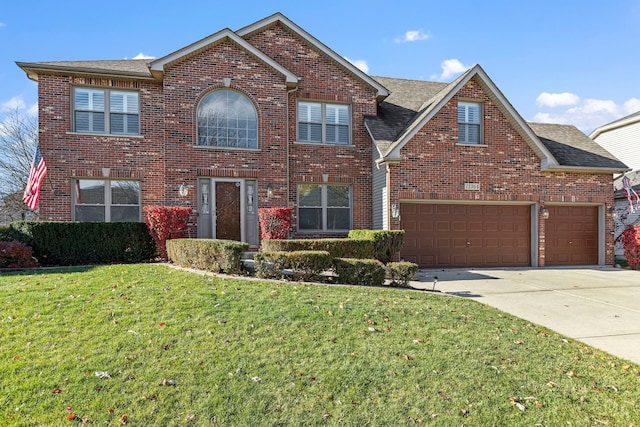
x=572 y=235
x=468 y=235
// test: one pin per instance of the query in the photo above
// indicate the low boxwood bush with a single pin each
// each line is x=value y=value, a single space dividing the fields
x=75 y=243
x=16 y=254
x=386 y=243
x=216 y=255
x=304 y=265
x=400 y=273
x=359 y=271
x=337 y=248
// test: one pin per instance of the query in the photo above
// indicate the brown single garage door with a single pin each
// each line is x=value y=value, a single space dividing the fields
x=571 y=235
x=466 y=235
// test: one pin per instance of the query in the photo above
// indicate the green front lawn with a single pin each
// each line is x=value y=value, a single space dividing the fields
x=149 y=345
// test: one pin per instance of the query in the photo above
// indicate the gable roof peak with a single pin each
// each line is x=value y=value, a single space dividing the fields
x=158 y=65
x=278 y=17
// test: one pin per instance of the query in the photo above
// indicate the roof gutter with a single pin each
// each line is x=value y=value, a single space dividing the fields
x=33 y=70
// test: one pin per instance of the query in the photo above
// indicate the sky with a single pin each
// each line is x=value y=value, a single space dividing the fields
x=556 y=61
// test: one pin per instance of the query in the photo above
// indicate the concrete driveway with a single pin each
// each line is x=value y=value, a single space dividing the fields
x=599 y=306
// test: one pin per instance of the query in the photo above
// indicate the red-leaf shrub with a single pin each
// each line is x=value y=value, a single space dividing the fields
x=16 y=254
x=631 y=240
x=165 y=223
x=275 y=223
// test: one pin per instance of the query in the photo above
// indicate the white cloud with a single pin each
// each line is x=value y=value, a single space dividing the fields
x=632 y=106
x=2 y=24
x=586 y=114
x=143 y=56
x=412 y=36
x=15 y=103
x=451 y=67
x=33 y=110
x=546 y=99
x=597 y=106
x=359 y=63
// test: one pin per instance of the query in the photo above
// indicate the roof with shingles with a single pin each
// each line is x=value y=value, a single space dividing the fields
x=571 y=147
x=412 y=100
x=132 y=67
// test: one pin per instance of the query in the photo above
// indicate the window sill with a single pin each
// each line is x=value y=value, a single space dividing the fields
x=468 y=144
x=322 y=144
x=210 y=147
x=108 y=135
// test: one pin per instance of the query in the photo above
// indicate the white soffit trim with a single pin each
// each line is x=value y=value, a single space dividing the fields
x=615 y=125
x=279 y=17
x=158 y=65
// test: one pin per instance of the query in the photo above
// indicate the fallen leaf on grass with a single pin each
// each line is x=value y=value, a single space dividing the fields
x=418 y=340
x=124 y=419
x=57 y=390
x=166 y=382
x=102 y=374
x=514 y=402
x=256 y=379
x=572 y=374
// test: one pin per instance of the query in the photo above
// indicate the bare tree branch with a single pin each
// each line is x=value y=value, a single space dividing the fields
x=18 y=140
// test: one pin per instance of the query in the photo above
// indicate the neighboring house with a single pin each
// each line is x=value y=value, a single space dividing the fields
x=622 y=138
x=268 y=116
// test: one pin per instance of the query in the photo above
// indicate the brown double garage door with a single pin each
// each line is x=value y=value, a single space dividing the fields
x=457 y=235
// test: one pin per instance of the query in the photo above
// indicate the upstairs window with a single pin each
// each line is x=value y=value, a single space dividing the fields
x=323 y=123
x=106 y=111
x=228 y=119
x=469 y=124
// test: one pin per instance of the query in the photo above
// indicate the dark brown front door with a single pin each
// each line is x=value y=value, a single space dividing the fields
x=466 y=235
x=571 y=235
x=227 y=210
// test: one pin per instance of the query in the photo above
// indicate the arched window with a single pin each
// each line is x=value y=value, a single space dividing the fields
x=227 y=118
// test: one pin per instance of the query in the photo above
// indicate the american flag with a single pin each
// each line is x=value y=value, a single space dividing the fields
x=36 y=176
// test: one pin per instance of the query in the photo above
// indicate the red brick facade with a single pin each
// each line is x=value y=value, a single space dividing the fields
x=432 y=167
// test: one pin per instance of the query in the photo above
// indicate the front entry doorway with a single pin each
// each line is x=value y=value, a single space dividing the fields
x=227 y=209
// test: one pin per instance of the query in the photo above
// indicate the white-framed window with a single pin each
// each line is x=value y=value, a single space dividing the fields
x=106 y=200
x=324 y=207
x=469 y=123
x=106 y=111
x=324 y=123
x=226 y=118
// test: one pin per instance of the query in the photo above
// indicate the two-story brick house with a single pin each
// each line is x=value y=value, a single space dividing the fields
x=268 y=116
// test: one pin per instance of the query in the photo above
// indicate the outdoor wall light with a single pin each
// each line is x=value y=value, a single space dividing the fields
x=269 y=190
x=544 y=212
x=395 y=211
x=183 y=190
x=612 y=213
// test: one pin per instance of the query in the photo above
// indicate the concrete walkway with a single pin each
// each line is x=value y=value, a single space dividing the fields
x=599 y=306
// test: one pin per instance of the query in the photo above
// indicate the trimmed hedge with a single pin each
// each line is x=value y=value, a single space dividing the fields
x=75 y=243
x=400 y=273
x=359 y=271
x=386 y=243
x=304 y=265
x=216 y=255
x=337 y=248
x=8 y=234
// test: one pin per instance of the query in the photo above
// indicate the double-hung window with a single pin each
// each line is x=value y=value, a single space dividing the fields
x=469 y=123
x=106 y=111
x=323 y=123
x=324 y=207
x=98 y=200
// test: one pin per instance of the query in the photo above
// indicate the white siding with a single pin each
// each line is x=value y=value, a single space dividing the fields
x=624 y=143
